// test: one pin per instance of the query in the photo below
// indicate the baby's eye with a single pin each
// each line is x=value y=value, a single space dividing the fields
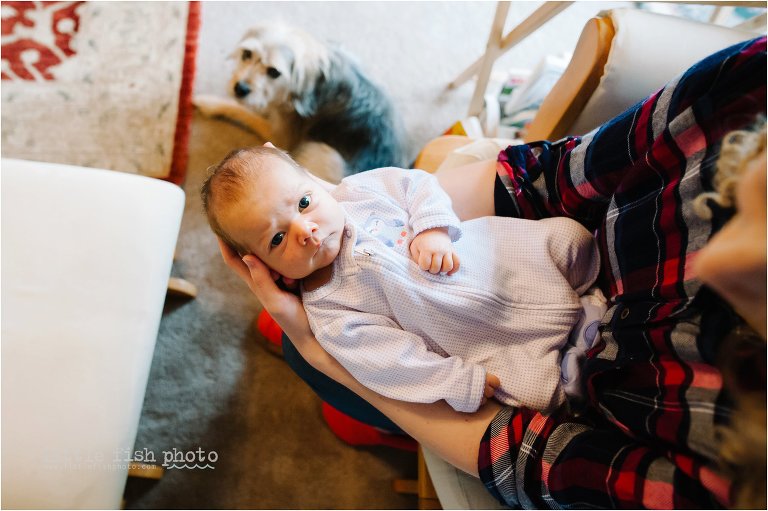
x=277 y=239
x=304 y=202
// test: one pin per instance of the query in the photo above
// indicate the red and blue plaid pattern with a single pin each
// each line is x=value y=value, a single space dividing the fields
x=646 y=438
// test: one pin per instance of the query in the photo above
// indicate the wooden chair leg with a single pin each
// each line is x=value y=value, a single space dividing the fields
x=181 y=287
x=422 y=486
x=145 y=470
x=427 y=494
x=406 y=486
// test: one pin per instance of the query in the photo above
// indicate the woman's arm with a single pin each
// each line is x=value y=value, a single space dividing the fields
x=452 y=435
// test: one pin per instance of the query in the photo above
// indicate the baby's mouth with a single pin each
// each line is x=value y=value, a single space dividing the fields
x=320 y=244
x=323 y=242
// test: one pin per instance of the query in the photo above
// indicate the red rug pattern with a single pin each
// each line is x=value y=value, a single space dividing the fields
x=100 y=84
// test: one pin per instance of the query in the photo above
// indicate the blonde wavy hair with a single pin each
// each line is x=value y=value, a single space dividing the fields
x=738 y=148
x=742 y=355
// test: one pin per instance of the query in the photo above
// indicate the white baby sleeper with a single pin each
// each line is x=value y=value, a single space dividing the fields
x=415 y=336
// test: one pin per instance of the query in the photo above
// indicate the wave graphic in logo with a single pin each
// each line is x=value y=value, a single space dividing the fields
x=190 y=467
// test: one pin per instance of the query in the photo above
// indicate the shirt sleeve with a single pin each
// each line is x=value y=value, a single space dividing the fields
x=416 y=191
x=397 y=364
x=531 y=461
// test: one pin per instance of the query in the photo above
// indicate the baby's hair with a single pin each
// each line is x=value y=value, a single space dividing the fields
x=738 y=148
x=227 y=179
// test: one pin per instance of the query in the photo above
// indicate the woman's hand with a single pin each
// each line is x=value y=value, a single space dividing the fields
x=283 y=306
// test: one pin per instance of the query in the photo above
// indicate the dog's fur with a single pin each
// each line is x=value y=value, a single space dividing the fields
x=312 y=100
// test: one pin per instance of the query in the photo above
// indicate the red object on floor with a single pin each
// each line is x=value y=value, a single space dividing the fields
x=270 y=329
x=354 y=432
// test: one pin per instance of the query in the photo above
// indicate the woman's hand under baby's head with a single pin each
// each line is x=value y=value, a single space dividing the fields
x=284 y=283
x=284 y=307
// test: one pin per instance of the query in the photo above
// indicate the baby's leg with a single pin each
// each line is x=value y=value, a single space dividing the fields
x=582 y=338
x=594 y=307
x=470 y=188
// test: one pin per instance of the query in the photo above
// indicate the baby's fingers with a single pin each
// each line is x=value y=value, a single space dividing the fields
x=491 y=384
x=456 y=263
x=450 y=263
x=425 y=260
x=437 y=263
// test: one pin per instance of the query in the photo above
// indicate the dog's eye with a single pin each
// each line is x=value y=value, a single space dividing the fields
x=273 y=73
x=247 y=54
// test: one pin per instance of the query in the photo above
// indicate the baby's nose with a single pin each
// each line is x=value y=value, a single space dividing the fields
x=307 y=232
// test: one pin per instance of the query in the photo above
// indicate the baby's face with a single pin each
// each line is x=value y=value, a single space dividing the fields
x=287 y=220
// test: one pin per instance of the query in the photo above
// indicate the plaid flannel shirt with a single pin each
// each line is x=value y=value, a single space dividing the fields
x=647 y=437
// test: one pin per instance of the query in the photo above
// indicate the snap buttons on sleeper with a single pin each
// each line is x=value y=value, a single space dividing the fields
x=624 y=313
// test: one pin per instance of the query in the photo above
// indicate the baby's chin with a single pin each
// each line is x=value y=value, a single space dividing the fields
x=320 y=262
x=327 y=254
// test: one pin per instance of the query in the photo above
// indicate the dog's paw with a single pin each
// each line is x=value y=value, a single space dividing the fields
x=209 y=106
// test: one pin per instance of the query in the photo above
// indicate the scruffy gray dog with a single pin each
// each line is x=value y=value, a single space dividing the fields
x=311 y=99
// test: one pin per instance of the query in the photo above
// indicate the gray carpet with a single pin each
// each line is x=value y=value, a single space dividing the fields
x=212 y=386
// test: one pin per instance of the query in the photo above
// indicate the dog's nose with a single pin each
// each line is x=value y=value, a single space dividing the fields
x=242 y=89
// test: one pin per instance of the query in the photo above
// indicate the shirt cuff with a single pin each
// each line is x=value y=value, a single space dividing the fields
x=451 y=222
x=472 y=399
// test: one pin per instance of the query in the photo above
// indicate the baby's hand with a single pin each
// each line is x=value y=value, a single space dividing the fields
x=433 y=251
x=491 y=384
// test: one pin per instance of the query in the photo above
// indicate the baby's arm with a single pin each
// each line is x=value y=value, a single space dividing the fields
x=397 y=364
x=417 y=192
x=431 y=217
x=432 y=250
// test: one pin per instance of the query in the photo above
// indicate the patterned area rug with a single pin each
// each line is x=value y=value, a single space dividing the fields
x=99 y=84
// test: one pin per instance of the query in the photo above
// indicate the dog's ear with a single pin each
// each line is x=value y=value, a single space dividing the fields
x=249 y=38
x=308 y=71
x=305 y=104
x=302 y=83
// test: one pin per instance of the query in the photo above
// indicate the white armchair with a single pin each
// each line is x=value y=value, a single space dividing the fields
x=622 y=56
x=85 y=264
